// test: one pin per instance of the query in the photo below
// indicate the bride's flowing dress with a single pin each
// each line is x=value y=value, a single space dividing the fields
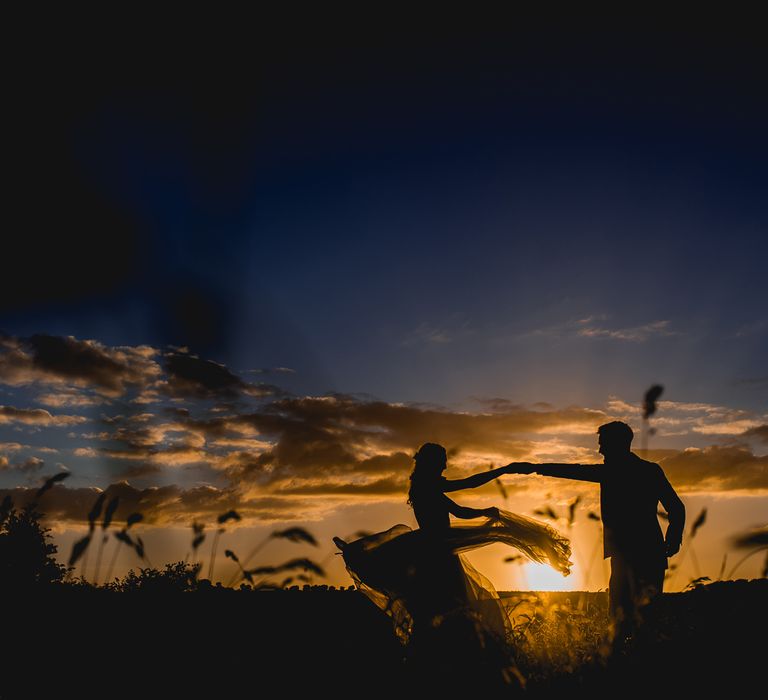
x=419 y=577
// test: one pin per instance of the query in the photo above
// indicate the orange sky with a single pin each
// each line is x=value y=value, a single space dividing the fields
x=180 y=439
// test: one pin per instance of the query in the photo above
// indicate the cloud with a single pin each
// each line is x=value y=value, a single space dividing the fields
x=333 y=438
x=12 y=446
x=171 y=457
x=85 y=452
x=341 y=444
x=679 y=418
x=56 y=361
x=760 y=432
x=148 y=396
x=380 y=475
x=332 y=441
x=634 y=334
x=143 y=433
x=388 y=486
x=242 y=443
x=160 y=505
x=259 y=441
x=733 y=427
x=757 y=382
x=750 y=329
x=596 y=326
x=87 y=373
x=169 y=443
x=498 y=404
x=430 y=334
x=31 y=465
x=70 y=397
x=136 y=471
x=427 y=334
x=193 y=377
x=409 y=426
x=716 y=468
x=36 y=416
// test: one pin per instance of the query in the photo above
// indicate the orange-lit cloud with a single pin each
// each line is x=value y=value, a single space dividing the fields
x=31 y=465
x=253 y=447
x=680 y=418
x=12 y=446
x=70 y=398
x=85 y=372
x=161 y=505
x=759 y=432
x=717 y=468
x=36 y=416
x=55 y=360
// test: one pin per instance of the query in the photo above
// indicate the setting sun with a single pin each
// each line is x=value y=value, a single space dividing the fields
x=542 y=577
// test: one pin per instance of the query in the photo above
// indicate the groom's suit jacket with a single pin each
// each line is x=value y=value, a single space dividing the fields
x=630 y=491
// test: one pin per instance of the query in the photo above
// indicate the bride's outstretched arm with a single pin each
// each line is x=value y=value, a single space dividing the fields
x=473 y=481
x=469 y=513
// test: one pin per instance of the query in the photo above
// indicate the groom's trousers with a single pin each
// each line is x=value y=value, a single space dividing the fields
x=634 y=583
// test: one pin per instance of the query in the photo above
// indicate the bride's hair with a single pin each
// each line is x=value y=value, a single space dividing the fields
x=430 y=461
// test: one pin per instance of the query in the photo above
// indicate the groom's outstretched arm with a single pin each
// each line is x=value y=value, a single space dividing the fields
x=579 y=472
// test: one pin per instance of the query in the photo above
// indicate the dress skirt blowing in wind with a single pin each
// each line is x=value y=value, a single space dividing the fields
x=419 y=578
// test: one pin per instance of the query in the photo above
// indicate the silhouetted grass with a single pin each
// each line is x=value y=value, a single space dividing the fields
x=547 y=512
x=649 y=400
x=561 y=642
x=109 y=513
x=123 y=537
x=297 y=535
x=688 y=547
x=84 y=543
x=78 y=549
x=222 y=519
x=198 y=537
x=757 y=541
x=50 y=482
x=572 y=506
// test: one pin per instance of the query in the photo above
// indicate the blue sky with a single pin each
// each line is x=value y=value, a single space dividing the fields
x=405 y=222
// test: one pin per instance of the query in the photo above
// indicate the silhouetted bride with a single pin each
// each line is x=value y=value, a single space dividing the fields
x=418 y=576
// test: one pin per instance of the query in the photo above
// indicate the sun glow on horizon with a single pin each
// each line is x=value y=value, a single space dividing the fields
x=542 y=577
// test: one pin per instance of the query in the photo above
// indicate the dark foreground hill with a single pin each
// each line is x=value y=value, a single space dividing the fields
x=75 y=641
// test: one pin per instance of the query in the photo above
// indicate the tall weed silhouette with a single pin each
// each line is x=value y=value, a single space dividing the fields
x=222 y=520
x=756 y=541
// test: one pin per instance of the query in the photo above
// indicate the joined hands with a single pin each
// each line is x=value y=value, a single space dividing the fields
x=520 y=468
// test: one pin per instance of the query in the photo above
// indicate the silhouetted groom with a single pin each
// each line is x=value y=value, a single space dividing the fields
x=630 y=490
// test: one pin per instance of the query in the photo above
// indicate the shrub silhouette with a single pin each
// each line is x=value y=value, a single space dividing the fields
x=26 y=554
x=178 y=577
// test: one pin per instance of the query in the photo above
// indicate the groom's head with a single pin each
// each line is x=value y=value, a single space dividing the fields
x=615 y=439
